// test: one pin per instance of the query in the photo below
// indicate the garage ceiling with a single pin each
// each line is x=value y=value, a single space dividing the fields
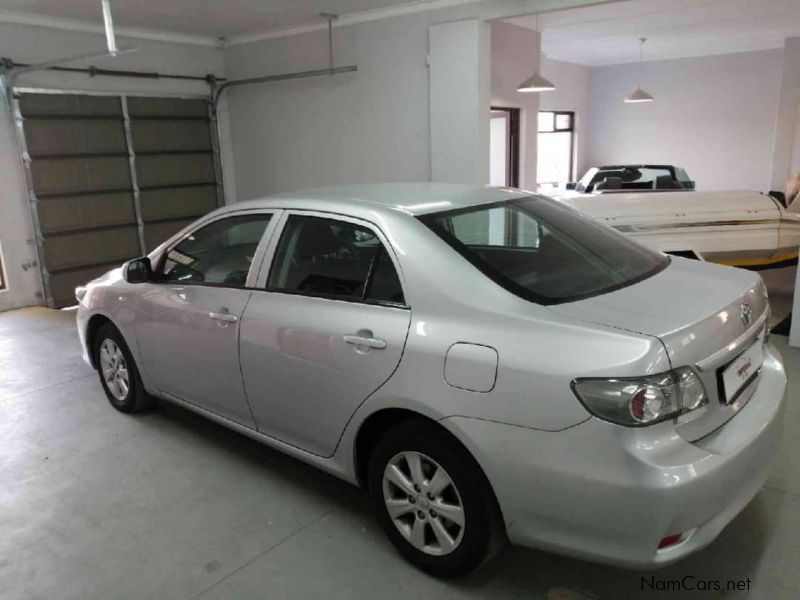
x=207 y=18
x=607 y=34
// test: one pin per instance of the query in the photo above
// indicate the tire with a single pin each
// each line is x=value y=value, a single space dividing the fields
x=118 y=373
x=416 y=529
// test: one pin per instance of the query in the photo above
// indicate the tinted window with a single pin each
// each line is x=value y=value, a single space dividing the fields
x=384 y=286
x=327 y=257
x=219 y=253
x=544 y=251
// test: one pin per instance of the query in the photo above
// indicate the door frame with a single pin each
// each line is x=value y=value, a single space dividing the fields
x=3 y=279
x=513 y=146
x=268 y=258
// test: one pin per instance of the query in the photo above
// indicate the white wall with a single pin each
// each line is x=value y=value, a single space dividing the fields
x=714 y=116
x=787 y=126
x=515 y=53
x=459 y=101
x=28 y=44
x=362 y=127
x=572 y=93
x=368 y=126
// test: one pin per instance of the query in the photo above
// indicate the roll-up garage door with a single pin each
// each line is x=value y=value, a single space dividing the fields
x=110 y=177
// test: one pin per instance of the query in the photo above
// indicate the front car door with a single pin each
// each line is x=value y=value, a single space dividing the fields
x=327 y=330
x=189 y=316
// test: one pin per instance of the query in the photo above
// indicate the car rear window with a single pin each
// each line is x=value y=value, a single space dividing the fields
x=544 y=251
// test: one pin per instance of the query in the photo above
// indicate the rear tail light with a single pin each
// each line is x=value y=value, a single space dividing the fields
x=637 y=401
x=670 y=540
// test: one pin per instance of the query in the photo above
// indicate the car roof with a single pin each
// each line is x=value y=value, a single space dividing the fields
x=409 y=198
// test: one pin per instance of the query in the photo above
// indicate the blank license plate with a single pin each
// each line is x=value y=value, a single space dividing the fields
x=737 y=374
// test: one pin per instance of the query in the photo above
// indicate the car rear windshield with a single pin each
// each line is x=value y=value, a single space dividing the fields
x=544 y=251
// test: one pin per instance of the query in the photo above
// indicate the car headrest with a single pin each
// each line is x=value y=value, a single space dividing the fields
x=316 y=239
x=664 y=182
x=609 y=183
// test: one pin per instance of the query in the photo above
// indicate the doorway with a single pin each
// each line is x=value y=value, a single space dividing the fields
x=504 y=146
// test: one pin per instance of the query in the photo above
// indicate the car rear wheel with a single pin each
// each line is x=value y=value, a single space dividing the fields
x=431 y=499
x=118 y=373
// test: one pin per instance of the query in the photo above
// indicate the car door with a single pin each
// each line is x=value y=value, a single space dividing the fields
x=189 y=317
x=327 y=330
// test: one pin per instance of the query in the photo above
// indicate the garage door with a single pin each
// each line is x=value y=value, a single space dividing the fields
x=110 y=177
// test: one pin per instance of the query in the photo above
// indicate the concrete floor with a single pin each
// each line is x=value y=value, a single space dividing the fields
x=96 y=504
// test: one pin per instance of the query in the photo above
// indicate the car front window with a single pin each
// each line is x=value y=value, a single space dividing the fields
x=219 y=253
x=544 y=251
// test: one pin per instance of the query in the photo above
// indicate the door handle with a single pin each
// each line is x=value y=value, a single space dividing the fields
x=223 y=317
x=365 y=342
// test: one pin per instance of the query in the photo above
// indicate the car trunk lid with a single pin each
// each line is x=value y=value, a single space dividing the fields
x=705 y=315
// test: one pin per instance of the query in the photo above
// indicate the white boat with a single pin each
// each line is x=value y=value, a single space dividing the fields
x=737 y=228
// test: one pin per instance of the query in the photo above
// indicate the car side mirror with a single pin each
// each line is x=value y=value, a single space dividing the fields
x=138 y=270
x=572 y=185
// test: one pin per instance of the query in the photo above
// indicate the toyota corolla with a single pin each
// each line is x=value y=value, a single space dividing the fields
x=481 y=361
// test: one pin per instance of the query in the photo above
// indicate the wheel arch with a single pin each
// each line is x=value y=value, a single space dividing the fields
x=96 y=321
x=376 y=424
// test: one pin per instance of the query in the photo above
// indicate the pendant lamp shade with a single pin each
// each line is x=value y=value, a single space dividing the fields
x=536 y=83
x=639 y=95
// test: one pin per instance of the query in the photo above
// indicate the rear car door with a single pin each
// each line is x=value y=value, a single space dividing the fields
x=189 y=317
x=327 y=329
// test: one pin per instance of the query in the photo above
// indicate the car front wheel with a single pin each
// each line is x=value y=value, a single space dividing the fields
x=118 y=373
x=431 y=499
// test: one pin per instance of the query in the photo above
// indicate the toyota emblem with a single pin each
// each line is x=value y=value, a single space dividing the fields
x=746 y=312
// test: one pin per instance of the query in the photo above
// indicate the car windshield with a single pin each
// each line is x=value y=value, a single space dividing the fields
x=544 y=251
x=634 y=178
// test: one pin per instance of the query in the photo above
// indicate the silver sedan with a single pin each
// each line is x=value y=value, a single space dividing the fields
x=485 y=362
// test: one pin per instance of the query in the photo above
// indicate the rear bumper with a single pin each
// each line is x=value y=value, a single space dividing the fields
x=610 y=494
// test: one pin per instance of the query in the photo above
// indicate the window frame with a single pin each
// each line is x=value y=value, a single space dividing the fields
x=270 y=256
x=269 y=231
x=572 y=133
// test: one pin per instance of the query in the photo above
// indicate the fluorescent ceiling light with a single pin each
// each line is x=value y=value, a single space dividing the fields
x=108 y=22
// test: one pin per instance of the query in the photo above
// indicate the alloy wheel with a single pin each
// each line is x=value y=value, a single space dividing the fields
x=115 y=369
x=423 y=503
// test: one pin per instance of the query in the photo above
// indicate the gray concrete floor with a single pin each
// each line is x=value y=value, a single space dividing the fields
x=96 y=504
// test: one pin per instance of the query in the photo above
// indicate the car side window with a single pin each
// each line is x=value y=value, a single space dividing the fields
x=332 y=258
x=219 y=253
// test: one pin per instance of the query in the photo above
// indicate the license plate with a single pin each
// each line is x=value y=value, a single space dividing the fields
x=742 y=370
